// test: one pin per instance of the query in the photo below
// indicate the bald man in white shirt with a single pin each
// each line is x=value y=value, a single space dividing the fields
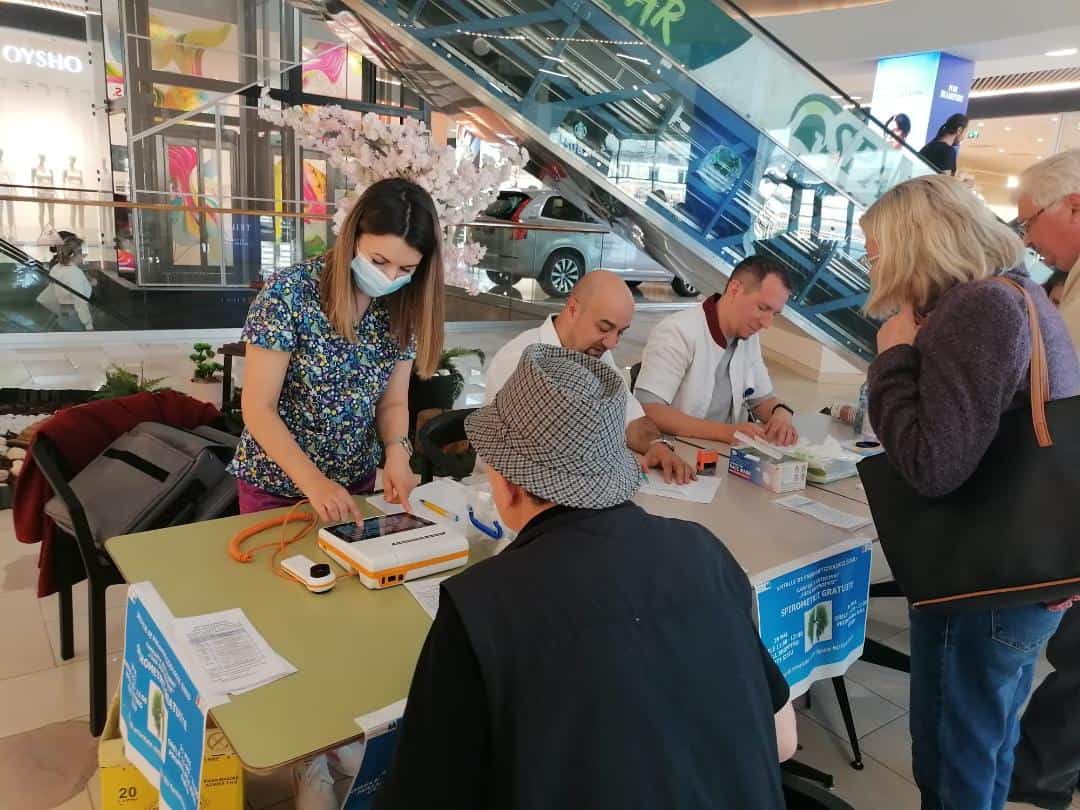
x=596 y=315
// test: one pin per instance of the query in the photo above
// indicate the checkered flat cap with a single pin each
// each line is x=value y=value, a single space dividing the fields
x=557 y=428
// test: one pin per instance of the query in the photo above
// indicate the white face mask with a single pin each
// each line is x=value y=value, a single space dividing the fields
x=372 y=281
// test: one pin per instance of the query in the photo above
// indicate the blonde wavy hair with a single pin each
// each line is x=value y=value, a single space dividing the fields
x=932 y=233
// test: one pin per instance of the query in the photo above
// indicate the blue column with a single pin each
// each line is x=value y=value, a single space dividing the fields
x=927 y=87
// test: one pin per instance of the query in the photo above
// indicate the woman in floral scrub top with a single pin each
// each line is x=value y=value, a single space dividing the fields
x=331 y=347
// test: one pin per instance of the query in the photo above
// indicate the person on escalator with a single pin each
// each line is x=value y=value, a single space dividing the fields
x=69 y=303
x=941 y=152
x=898 y=127
x=702 y=374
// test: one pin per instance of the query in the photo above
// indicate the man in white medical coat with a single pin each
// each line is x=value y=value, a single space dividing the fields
x=702 y=374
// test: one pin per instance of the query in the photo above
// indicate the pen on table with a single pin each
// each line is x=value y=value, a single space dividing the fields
x=438 y=510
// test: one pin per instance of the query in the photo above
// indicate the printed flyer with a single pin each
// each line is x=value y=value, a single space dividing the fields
x=812 y=617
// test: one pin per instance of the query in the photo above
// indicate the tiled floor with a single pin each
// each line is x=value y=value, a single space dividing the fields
x=40 y=695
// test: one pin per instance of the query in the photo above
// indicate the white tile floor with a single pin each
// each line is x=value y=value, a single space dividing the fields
x=37 y=689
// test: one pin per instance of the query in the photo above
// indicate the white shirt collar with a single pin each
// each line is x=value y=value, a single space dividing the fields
x=548 y=335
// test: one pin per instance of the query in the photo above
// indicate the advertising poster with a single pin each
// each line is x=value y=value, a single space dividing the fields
x=723 y=154
x=951 y=88
x=162 y=718
x=380 y=739
x=812 y=618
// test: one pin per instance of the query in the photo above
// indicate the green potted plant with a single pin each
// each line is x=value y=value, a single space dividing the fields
x=206 y=378
x=443 y=388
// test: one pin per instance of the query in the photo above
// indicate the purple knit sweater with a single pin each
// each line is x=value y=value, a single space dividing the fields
x=936 y=406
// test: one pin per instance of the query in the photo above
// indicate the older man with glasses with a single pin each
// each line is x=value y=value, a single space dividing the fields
x=1049 y=222
x=1047 y=769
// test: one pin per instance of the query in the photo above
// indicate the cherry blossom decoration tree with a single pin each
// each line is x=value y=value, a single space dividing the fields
x=366 y=149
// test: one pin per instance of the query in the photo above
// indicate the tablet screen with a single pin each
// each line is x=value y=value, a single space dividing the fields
x=377 y=527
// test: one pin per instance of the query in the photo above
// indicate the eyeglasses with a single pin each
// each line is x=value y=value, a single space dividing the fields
x=1023 y=226
x=866 y=261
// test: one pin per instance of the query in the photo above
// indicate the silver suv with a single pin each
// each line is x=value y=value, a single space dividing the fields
x=558 y=259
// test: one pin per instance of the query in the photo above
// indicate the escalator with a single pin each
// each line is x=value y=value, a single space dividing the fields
x=747 y=149
x=35 y=297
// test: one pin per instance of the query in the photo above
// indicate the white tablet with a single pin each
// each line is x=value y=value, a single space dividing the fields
x=391 y=549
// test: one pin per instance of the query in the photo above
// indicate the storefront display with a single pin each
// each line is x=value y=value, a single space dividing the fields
x=48 y=134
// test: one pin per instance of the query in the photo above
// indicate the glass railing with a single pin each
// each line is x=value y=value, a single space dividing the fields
x=682 y=126
x=66 y=278
x=62 y=274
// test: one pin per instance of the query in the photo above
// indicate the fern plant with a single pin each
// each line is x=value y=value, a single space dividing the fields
x=119 y=382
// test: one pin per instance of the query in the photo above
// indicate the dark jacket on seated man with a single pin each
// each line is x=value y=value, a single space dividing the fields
x=607 y=658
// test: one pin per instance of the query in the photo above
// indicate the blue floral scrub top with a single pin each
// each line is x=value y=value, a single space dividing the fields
x=331 y=386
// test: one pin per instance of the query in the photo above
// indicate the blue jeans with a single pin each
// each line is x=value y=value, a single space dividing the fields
x=970 y=675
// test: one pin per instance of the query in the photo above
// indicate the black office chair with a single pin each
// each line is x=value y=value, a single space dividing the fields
x=100 y=571
x=800 y=794
x=431 y=460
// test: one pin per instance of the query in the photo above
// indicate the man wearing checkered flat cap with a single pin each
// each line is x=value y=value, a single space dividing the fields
x=607 y=658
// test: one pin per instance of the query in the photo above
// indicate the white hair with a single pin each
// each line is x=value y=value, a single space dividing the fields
x=1049 y=180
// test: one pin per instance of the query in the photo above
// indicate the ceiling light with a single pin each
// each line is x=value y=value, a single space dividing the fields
x=1008 y=129
x=1054 y=119
x=1063 y=52
x=1040 y=140
x=554 y=58
x=553 y=73
x=1012 y=182
x=1001 y=150
x=1049 y=87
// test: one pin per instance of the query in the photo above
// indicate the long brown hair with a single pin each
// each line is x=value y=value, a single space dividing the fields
x=401 y=208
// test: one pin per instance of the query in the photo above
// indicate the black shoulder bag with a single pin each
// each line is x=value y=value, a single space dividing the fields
x=1010 y=535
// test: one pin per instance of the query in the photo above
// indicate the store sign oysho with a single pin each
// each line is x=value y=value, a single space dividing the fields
x=36 y=57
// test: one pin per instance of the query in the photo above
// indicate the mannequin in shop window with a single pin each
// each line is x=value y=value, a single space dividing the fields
x=73 y=180
x=41 y=177
x=7 y=208
x=68 y=303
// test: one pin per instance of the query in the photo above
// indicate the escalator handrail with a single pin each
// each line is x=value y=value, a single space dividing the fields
x=775 y=40
x=26 y=260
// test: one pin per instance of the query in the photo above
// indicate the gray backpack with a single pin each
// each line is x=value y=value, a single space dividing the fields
x=153 y=476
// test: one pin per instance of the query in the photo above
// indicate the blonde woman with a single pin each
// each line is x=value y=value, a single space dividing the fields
x=952 y=357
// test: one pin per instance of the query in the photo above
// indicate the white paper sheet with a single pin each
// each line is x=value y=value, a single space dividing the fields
x=230 y=652
x=703 y=490
x=445 y=493
x=426 y=592
x=819 y=511
x=384 y=506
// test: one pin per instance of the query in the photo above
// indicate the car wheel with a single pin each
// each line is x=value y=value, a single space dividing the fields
x=502 y=279
x=562 y=270
x=683 y=289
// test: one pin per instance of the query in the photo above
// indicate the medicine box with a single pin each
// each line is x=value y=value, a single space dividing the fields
x=785 y=475
x=123 y=787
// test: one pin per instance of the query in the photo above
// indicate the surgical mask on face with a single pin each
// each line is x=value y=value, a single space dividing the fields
x=372 y=281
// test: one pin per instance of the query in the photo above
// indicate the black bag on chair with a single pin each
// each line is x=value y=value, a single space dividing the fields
x=1010 y=535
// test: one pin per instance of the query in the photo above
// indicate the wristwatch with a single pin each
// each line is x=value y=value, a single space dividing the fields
x=404 y=442
x=782 y=405
x=670 y=445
